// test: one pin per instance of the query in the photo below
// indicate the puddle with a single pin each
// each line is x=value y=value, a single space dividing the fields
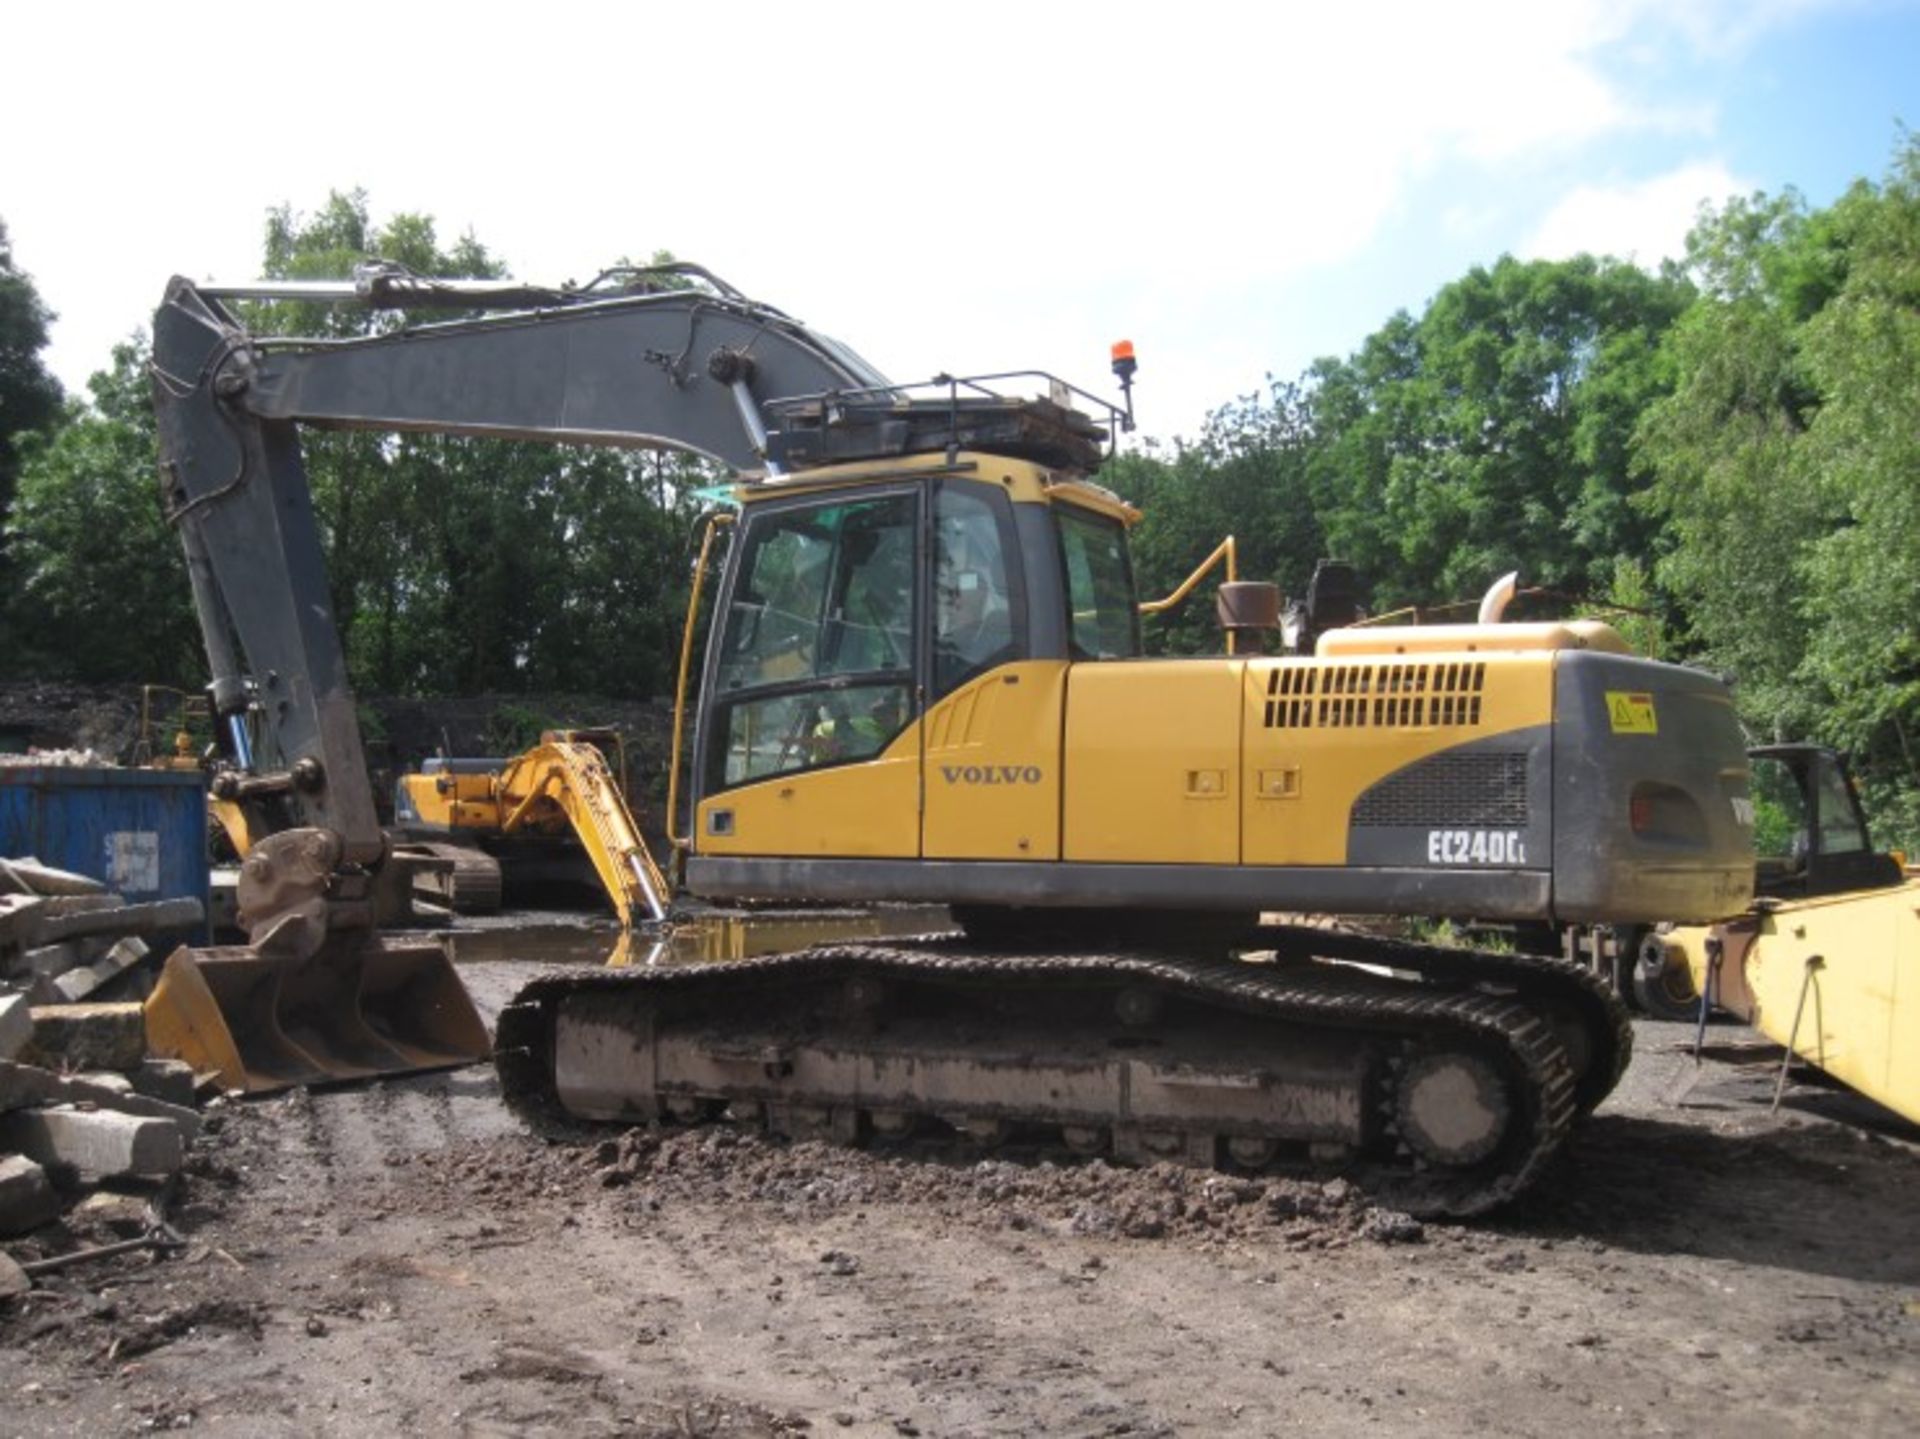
x=702 y=938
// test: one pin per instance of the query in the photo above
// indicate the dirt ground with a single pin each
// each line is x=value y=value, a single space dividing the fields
x=404 y=1258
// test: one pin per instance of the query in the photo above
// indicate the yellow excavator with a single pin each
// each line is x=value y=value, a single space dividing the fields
x=1826 y=962
x=924 y=681
x=563 y=785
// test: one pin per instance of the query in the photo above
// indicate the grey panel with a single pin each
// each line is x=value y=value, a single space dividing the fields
x=1603 y=870
x=1486 y=804
x=1458 y=787
x=1479 y=893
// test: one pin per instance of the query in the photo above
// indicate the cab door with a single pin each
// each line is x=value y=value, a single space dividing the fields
x=993 y=718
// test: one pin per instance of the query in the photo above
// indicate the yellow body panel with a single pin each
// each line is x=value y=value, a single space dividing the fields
x=1861 y=1017
x=993 y=766
x=456 y=801
x=869 y=810
x=1153 y=762
x=1334 y=730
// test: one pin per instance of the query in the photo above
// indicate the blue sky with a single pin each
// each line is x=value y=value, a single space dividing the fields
x=1236 y=188
x=1811 y=100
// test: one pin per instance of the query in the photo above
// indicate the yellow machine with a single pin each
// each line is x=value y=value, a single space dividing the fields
x=562 y=785
x=1827 y=961
x=924 y=681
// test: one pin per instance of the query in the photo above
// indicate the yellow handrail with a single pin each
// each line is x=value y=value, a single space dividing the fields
x=680 y=841
x=1224 y=549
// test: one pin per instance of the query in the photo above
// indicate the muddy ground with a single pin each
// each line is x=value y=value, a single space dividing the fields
x=405 y=1259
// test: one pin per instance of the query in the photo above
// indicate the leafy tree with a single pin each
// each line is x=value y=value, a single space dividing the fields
x=102 y=590
x=1494 y=432
x=30 y=399
x=1720 y=452
x=29 y=395
x=1784 y=467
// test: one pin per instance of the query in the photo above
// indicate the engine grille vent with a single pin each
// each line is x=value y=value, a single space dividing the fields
x=1380 y=696
x=1469 y=791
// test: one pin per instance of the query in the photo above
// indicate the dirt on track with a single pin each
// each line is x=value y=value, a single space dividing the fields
x=404 y=1257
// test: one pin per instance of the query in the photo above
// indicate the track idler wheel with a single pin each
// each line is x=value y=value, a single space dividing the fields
x=1451 y=1108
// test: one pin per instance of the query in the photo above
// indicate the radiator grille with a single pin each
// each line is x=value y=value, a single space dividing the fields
x=1472 y=791
x=1379 y=696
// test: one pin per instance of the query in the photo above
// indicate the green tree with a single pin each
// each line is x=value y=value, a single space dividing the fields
x=29 y=395
x=30 y=400
x=1784 y=468
x=1494 y=432
x=101 y=588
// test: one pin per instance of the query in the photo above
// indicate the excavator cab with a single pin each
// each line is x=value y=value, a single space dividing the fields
x=1809 y=829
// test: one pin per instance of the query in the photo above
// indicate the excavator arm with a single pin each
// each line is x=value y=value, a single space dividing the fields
x=663 y=368
x=651 y=363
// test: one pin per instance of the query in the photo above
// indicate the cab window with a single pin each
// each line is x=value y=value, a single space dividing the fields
x=816 y=657
x=1103 y=622
x=974 y=620
x=1840 y=831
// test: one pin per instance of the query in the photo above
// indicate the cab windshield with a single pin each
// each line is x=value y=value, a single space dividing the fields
x=816 y=660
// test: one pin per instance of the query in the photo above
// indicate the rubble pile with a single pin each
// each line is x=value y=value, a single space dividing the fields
x=36 y=758
x=81 y=1102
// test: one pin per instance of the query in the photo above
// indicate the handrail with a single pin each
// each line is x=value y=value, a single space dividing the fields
x=714 y=521
x=1224 y=548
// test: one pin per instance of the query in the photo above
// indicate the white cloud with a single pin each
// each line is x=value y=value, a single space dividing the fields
x=1645 y=221
x=1008 y=185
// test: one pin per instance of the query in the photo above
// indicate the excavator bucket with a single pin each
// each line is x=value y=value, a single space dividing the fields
x=359 y=1007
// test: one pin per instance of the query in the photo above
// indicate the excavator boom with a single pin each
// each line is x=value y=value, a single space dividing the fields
x=666 y=357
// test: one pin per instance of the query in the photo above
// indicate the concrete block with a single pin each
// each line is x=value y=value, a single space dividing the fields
x=41 y=878
x=156 y=917
x=48 y=961
x=76 y=984
x=87 y=1036
x=16 y=1024
x=24 y=1087
x=27 y=1197
x=170 y=1080
x=14 y=911
x=96 y=1143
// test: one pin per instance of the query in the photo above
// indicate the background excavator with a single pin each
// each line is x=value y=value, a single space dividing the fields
x=924 y=682
x=464 y=810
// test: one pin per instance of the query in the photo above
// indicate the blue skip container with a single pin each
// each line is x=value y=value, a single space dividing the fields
x=142 y=832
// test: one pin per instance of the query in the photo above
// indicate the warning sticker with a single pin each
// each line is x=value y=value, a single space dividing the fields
x=1631 y=712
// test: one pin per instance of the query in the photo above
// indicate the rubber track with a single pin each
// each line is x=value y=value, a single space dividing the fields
x=1574 y=988
x=474 y=884
x=1324 y=997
